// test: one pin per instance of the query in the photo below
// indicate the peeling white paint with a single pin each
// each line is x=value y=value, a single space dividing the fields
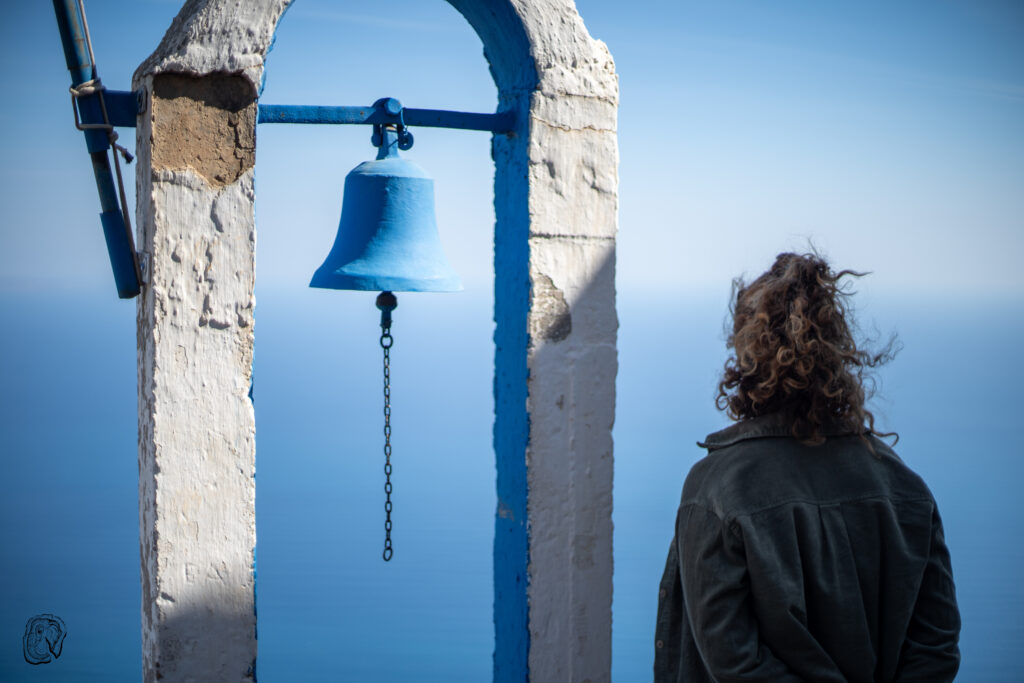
x=213 y=36
x=196 y=422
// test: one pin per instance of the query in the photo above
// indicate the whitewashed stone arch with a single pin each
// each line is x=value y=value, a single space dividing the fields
x=555 y=364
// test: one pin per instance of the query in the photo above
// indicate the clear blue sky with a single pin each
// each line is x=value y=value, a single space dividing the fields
x=892 y=134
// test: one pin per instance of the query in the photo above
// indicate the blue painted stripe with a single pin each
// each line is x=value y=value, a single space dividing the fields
x=512 y=423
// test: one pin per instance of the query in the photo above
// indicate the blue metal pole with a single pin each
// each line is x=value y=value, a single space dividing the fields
x=502 y=122
x=72 y=35
x=287 y=113
x=120 y=244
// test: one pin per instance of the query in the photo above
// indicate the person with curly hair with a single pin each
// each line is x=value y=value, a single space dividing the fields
x=804 y=549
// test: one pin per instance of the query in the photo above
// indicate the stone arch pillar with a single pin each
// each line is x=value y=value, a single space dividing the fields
x=555 y=362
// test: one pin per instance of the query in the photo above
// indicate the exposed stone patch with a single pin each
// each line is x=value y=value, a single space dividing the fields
x=550 y=320
x=207 y=124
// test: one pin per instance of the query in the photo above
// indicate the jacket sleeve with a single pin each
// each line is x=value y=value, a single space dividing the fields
x=716 y=589
x=930 y=651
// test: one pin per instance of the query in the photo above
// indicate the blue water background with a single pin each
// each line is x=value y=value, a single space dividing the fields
x=329 y=608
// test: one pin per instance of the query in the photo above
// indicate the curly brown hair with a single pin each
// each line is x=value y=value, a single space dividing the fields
x=794 y=352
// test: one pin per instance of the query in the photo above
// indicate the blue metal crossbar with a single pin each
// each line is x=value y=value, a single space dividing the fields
x=123 y=106
x=502 y=122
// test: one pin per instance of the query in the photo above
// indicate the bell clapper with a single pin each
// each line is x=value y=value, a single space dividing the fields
x=387 y=302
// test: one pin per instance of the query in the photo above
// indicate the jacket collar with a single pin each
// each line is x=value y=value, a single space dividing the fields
x=774 y=425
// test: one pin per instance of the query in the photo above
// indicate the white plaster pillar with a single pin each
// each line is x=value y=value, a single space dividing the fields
x=196 y=146
x=572 y=362
x=556 y=203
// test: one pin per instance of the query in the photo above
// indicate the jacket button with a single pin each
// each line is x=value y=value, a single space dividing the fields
x=662 y=593
x=659 y=644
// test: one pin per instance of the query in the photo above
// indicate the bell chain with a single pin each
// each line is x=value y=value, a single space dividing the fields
x=387 y=302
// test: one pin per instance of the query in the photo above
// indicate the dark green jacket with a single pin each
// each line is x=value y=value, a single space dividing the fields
x=805 y=563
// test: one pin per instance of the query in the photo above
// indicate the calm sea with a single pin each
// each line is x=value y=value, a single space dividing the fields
x=329 y=608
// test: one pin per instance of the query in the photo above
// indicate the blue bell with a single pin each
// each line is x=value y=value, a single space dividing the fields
x=387 y=238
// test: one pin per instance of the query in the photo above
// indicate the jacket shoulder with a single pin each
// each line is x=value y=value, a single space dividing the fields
x=756 y=468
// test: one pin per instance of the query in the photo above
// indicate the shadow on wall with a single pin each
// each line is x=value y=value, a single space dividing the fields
x=202 y=638
x=571 y=406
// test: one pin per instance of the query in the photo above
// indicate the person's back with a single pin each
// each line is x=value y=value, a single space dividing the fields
x=805 y=549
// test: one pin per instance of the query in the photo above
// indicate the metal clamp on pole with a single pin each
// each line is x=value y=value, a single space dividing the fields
x=93 y=118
